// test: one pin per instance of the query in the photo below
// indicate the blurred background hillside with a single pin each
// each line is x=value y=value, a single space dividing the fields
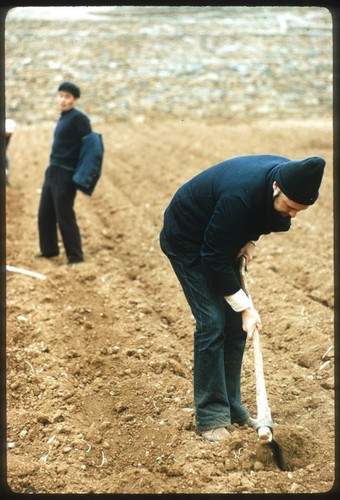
x=187 y=62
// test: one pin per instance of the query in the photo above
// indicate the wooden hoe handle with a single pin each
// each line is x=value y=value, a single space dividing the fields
x=265 y=424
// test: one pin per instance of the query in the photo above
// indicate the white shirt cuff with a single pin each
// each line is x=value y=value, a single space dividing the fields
x=239 y=301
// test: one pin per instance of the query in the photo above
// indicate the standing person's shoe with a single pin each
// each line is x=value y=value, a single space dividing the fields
x=216 y=435
x=43 y=256
x=71 y=262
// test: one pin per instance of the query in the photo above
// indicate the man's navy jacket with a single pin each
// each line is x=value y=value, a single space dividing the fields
x=89 y=166
x=213 y=215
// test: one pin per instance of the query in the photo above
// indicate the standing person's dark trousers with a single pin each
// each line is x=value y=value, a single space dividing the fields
x=56 y=209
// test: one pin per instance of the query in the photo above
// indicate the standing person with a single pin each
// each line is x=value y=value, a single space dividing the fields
x=211 y=221
x=9 y=129
x=59 y=191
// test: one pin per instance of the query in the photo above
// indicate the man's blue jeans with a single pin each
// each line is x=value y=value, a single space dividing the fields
x=219 y=343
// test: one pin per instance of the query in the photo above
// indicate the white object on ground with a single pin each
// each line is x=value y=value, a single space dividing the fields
x=26 y=272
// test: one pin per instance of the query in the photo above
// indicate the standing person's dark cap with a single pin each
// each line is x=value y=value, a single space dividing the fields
x=71 y=88
x=300 y=180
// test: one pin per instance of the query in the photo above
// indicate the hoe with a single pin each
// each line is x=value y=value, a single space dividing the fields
x=265 y=424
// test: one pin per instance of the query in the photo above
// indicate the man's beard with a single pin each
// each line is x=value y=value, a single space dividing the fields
x=282 y=214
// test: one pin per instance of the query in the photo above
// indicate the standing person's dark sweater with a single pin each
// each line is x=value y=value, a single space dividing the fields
x=72 y=126
x=59 y=190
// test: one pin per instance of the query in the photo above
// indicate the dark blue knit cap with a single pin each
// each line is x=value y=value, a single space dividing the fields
x=71 y=88
x=300 y=180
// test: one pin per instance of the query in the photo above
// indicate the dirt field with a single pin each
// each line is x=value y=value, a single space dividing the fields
x=100 y=355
